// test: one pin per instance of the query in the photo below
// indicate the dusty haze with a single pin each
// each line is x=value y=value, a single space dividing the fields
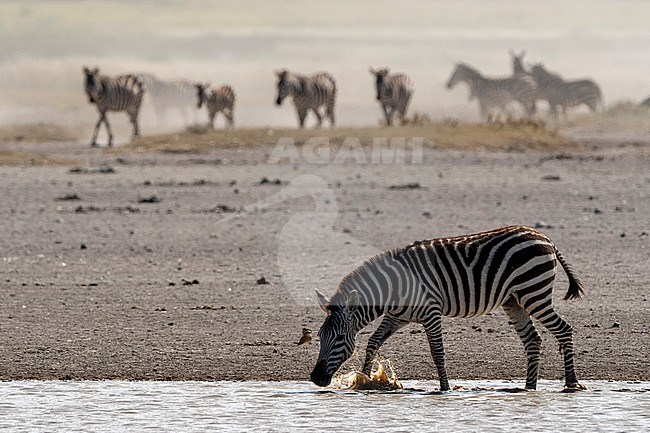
x=45 y=43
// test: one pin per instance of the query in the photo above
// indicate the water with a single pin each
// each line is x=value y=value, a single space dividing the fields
x=485 y=406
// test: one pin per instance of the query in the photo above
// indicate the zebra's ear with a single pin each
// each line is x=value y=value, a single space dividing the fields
x=372 y=70
x=86 y=70
x=323 y=301
x=353 y=301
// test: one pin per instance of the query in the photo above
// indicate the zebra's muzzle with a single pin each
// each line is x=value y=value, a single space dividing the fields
x=319 y=376
x=278 y=101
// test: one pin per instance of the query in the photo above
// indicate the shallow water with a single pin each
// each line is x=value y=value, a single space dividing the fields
x=487 y=406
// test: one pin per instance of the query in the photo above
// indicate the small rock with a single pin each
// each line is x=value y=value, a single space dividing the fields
x=262 y=280
x=83 y=247
x=552 y=177
x=69 y=197
x=615 y=325
x=598 y=211
x=543 y=225
x=426 y=214
x=150 y=199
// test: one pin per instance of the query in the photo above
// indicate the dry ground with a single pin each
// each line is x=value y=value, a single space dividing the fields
x=97 y=263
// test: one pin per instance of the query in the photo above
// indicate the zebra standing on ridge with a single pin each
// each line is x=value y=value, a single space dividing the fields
x=496 y=92
x=169 y=95
x=122 y=93
x=221 y=100
x=512 y=267
x=393 y=93
x=565 y=94
x=309 y=93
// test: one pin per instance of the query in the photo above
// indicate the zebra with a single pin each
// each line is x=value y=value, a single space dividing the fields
x=565 y=94
x=309 y=93
x=168 y=95
x=518 y=63
x=121 y=93
x=394 y=93
x=512 y=267
x=645 y=102
x=221 y=100
x=496 y=92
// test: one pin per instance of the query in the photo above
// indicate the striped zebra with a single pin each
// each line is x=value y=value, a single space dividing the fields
x=512 y=267
x=645 y=102
x=221 y=100
x=565 y=94
x=309 y=93
x=394 y=93
x=122 y=93
x=496 y=92
x=166 y=95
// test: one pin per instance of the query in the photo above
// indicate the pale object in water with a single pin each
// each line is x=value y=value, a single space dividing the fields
x=381 y=379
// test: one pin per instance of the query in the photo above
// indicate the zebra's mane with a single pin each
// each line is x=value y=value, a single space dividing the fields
x=472 y=70
x=347 y=284
x=548 y=75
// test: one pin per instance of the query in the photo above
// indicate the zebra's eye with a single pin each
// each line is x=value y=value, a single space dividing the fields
x=339 y=338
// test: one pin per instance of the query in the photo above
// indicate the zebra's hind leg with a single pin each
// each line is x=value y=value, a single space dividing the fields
x=563 y=332
x=529 y=337
x=388 y=326
x=302 y=115
x=133 y=117
x=319 y=117
x=433 y=328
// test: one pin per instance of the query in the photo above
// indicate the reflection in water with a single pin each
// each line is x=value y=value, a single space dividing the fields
x=283 y=406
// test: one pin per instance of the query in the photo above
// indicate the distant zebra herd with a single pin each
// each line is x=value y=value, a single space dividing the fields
x=317 y=93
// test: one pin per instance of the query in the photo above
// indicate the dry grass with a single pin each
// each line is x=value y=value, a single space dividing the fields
x=35 y=133
x=31 y=159
x=508 y=135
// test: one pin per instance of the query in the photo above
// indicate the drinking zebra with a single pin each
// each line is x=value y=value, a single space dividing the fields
x=221 y=100
x=122 y=93
x=309 y=93
x=565 y=94
x=393 y=93
x=496 y=92
x=512 y=267
x=165 y=95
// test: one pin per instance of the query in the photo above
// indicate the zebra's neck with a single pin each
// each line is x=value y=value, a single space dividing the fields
x=378 y=282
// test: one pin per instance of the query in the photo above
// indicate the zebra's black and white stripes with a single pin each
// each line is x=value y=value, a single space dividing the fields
x=309 y=93
x=394 y=92
x=565 y=94
x=166 y=95
x=122 y=93
x=496 y=92
x=220 y=100
x=513 y=268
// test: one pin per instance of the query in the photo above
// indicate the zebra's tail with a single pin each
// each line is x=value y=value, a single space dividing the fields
x=576 y=286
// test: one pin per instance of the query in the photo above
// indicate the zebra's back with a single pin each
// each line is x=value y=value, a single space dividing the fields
x=319 y=89
x=121 y=93
x=474 y=274
x=221 y=99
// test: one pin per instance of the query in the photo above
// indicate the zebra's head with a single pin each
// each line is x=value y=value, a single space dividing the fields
x=380 y=77
x=283 y=85
x=92 y=83
x=337 y=335
x=518 y=62
x=462 y=72
x=538 y=71
x=201 y=93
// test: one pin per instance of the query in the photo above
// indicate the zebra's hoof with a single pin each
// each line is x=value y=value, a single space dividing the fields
x=93 y=144
x=576 y=387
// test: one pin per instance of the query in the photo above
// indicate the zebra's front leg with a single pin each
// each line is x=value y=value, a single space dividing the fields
x=529 y=337
x=93 y=140
x=433 y=328
x=108 y=130
x=211 y=116
x=388 y=326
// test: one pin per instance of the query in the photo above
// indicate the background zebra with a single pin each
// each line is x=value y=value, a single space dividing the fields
x=393 y=93
x=170 y=95
x=565 y=94
x=518 y=62
x=122 y=93
x=496 y=92
x=309 y=93
x=645 y=102
x=221 y=100
x=513 y=268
